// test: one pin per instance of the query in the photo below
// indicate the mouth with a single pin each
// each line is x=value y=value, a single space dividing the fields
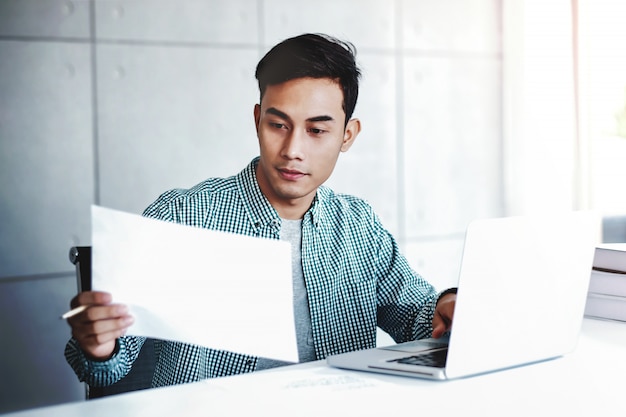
x=290 y=174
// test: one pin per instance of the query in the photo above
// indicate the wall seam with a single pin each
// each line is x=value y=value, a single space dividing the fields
x=399 y=64
x=94 y=103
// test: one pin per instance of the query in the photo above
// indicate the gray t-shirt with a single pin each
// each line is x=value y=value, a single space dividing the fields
x=291 y=231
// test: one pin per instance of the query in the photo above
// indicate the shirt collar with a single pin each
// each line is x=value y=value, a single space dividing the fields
x=322 y=196
x=260 y=211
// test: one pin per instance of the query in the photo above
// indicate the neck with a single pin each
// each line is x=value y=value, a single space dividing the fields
x=290 y=214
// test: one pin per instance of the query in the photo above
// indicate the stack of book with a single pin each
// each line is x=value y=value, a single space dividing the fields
x=606 y=298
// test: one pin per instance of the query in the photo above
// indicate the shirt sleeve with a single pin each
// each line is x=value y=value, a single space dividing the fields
x=406 y=301
x=103 y=373
x=161 y=208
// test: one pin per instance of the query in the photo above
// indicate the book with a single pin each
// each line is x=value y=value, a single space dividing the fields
x=608 y=273
x=606 y=297
x=610 y=258
x=606 y=307
x=607 y=283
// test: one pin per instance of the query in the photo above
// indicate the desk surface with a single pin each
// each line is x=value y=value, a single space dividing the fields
x=589 y=380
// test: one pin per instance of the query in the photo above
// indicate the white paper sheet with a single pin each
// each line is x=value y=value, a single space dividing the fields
x=214 y=289
x=309 y=381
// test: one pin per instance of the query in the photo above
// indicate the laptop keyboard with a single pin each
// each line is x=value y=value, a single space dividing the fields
x=435 y=358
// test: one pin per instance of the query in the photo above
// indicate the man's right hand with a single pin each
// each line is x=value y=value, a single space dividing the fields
x=97 y=328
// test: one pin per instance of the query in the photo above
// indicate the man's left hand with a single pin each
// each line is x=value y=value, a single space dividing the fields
x=444 y=311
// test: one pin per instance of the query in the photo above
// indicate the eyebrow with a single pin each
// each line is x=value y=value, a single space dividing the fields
x=283 y=115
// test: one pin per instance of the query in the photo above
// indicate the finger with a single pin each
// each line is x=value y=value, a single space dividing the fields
x=91 y=334
x=103 y=324
x=446 y=305
x=439 y=327
x=99 y=346
x=98 y=331
x=105 y=312
x=442 y=322
x=120 y=325
x=91 y=298
x=444 y=312
x=92 y=340
x=439 y=331
x=98 y=312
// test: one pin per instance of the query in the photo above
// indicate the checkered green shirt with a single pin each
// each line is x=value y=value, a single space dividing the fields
x=355 y=276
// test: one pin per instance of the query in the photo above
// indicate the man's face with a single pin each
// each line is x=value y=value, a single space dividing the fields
x=301 y=129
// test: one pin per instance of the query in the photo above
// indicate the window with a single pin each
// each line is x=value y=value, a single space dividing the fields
x=564 y=111
x=601 y=80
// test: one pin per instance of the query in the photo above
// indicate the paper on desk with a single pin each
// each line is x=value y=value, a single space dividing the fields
x=214 y=289
x=309 y=380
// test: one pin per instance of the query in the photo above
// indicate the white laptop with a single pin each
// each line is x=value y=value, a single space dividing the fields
x=521 y=297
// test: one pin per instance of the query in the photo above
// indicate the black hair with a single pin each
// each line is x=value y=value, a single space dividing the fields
x=312 y=56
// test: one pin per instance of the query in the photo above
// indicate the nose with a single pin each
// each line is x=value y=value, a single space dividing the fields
x=293 y=146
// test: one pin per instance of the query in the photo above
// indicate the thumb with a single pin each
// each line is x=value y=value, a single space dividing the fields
x=438 y=330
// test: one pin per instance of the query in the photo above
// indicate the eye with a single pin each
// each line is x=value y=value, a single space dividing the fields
x=316 y=131
x=277 y=125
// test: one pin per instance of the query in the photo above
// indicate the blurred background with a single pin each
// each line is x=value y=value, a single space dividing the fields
x=469 y=108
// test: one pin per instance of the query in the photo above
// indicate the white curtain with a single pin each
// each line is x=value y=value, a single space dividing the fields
x=542 y=152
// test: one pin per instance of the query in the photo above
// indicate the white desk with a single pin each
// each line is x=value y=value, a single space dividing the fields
x=588 y=381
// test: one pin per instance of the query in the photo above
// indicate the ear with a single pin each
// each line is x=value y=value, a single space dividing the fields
x=257 y=116
x=351 y=132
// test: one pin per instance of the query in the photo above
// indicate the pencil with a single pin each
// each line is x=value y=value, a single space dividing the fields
x=74 y=312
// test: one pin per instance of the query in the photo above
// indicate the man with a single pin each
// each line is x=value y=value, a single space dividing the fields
x=349 y=276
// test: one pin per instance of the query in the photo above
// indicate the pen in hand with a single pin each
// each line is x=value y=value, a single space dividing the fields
x=74 y=312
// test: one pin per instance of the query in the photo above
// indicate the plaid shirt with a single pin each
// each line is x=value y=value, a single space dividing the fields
x=355 y=276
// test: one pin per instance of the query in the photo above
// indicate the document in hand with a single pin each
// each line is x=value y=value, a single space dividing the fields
x=214 y=289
